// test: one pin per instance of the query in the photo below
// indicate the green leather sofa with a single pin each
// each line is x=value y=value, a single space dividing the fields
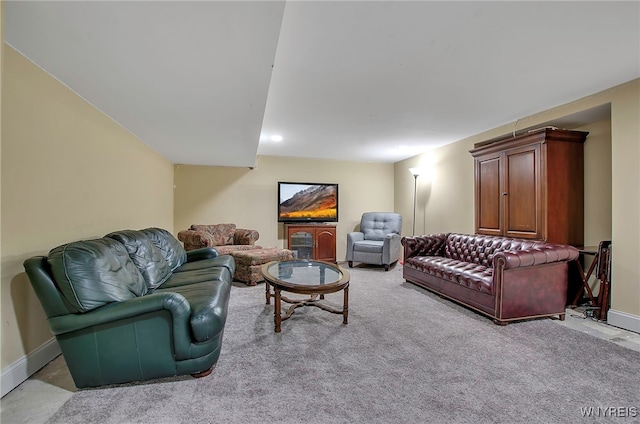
x=134 y=305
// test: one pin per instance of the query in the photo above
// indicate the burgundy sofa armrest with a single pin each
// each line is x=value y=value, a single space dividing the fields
x=242 y=236
x=537 y=255
x=427 y=245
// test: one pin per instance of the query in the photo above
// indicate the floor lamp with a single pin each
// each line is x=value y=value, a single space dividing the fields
x=416 y=173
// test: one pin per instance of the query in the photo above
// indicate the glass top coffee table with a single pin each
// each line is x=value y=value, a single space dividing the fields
x=313 y=278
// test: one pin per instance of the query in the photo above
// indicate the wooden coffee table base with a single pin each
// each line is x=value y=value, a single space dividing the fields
x=315 y=299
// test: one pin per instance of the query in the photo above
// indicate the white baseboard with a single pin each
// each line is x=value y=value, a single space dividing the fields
x=624 y=320
x=26 y=366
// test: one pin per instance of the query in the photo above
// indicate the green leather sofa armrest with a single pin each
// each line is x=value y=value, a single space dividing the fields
x=175 y=303
x=202 y=253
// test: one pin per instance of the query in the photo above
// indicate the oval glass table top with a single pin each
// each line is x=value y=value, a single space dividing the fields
x=306 y=273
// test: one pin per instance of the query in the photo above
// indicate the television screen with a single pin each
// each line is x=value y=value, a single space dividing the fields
x=307 y=202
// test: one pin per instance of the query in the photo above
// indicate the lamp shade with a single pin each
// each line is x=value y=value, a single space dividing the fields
x=417 y=171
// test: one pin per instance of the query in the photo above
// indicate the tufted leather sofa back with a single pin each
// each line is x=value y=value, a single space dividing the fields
x=170 y=248
x=145 y=255
x=92 y=273
x=376 y=225
x=480 y=249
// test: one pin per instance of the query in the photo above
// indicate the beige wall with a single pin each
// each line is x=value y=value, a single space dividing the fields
x=444 y=196
x=1 y=67
x=612 y=154
x=597 y=182
x=248 y=198
x=625 y=148
x=68 y=173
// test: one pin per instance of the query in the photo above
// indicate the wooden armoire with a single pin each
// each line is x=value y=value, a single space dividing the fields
x=531 y=186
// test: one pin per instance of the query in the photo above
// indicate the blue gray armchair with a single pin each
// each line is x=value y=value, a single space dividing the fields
x=378 y=241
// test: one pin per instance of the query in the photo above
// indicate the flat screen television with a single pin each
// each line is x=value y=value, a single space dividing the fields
x=307 y=202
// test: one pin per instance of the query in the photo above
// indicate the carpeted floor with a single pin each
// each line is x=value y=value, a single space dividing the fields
x=406 y=356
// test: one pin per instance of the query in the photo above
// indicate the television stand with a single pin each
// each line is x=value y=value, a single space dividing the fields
x=312 y=241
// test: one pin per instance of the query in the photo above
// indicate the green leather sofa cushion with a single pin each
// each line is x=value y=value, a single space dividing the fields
x=225 y=261
x=92 y=273
x=197 y=276
x=170 y=247
x=148 y=258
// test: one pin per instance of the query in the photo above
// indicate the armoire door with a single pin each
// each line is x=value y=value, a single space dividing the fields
x=489 y=177
x=523 y=209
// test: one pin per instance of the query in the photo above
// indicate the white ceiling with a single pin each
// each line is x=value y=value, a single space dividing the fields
x=199 y=82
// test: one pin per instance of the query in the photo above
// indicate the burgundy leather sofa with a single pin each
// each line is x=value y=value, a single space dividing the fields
x=507 y=279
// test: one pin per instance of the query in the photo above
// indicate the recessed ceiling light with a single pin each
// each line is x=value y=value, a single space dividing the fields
x=276 y=138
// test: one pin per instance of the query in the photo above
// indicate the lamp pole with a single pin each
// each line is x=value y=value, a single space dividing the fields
x=415 y=198
x=416 y=173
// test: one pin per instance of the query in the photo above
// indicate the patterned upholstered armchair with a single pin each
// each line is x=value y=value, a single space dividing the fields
x=225 y=238
x=378 y=241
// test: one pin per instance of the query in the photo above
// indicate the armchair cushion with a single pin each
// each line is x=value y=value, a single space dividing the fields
x=92 y=273
x=220 y=234
x=377 y=225
x=369 y=246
